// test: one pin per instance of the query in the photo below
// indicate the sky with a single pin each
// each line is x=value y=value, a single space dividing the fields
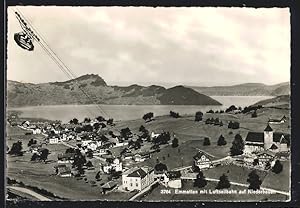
x=199 y=46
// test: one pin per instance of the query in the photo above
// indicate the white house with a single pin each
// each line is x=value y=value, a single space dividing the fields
x=65 y=158
x=153 y=135
x=53 y=140
x=36 y=131
x=63 y=171
x=86 y=142
x=115 y=165
x=137 y=178
x=202 y=160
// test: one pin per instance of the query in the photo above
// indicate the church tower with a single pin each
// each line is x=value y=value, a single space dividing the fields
x=268 y=137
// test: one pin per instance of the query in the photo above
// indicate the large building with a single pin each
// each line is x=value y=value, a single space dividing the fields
x=268 y=140
x=137 y=178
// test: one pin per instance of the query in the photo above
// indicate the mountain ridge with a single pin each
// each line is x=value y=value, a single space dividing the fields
x=246 y=89
x=71 y=92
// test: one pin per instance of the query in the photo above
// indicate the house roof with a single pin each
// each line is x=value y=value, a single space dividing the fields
x=200 y=154
x=267 y=153
x=64 y=169
x=268 y=128
x=281 y=137
x=255 y=144
x=255 y=137
x=173 y=174
x=66 y=156
x=138 y=173
x=273 y=147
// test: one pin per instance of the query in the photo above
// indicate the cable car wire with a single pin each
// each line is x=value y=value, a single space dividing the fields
x=62 y=66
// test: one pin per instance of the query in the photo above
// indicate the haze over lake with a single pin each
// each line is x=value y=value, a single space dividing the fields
x=129 y=112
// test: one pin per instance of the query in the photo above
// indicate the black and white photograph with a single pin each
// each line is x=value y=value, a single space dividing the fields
x=144 y=104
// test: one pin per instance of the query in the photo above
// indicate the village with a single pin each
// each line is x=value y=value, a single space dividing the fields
x=141 y=161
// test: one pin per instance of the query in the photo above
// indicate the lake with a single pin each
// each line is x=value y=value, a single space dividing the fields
x=128 y=112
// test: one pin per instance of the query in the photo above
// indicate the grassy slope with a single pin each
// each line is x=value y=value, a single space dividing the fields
x=189 y=133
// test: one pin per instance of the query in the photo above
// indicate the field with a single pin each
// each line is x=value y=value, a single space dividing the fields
x=190 y=135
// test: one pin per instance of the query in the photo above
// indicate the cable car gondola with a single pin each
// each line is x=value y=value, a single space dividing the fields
x=24 y=41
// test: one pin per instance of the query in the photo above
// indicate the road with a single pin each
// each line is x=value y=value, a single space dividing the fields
x=143 y=191
x=29 y=192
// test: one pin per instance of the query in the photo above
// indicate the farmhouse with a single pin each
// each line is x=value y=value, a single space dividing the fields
x=172 y=179
x=268 y=140
x=277 y=121
x=63 y=170
x=137 y=178
x=115 y=165
x=202 y=160
x=65 y=158
x=265 y=157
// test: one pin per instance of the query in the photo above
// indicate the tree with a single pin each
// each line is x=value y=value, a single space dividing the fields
x=231 y=108
x=221 y=141
x=210 y=111
x=142 y=128
x=254 y=114
x=220 y=123
x=31 y=142
x=174 y=114
x=100 y=119
x=195 y=168
x=79 y=161
x=87 y=120
x=200 y=180
x=148 y=116
x=175 y=142
x=70 y=150
x=255 y=162
x=110 y=122
x=44 y=154
x=89 y=153
x=161 y=167
x=278 y=167
x=89 y=164
x=34 y=157
x=16 y=149
x=198 y=116
x=223 y=182
x=125 y=133
x=253 y=180
x=74 y=121
x=206 y=141
x=208 y=121
x=233 y=125
x=237 y=146
x=96 y=126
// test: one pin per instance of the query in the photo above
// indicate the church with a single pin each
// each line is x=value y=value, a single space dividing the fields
x=269 y=140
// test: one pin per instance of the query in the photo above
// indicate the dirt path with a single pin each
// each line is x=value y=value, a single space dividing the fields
x=29 y=192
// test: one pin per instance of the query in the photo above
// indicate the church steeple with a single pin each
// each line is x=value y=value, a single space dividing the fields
x=268 y=137
x=268 y=128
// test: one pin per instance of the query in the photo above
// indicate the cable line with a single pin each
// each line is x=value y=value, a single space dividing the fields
x=50 y=52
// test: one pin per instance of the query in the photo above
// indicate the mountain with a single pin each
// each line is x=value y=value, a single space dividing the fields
x=91 y=89
x=185 y=96
x=282 y=101
x=247 y=89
